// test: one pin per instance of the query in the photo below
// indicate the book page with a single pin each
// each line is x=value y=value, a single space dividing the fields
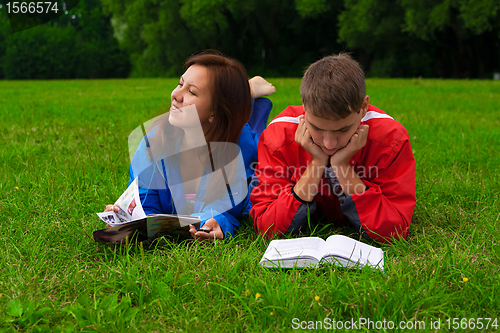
x=352 y=251
x=293 y=249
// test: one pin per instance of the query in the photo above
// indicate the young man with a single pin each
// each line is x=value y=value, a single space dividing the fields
x=336 y=156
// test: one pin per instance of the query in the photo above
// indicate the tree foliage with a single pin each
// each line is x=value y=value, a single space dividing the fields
x=79 y=44
x=269 y=36
x=447 y=38
x=443 y=38
x=278 y=37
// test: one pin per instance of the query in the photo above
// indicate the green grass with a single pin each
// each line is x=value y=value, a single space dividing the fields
x=63 y=144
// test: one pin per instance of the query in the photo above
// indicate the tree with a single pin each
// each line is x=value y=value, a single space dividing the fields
x=462 y=31
x=4 y=31
x=79 y=44
x=42 y=52
x=428 y=38
x=271 y=37
x=373 y=30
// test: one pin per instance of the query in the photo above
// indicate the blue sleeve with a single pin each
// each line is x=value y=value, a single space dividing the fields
x=261 y=108
x=150 y=198
x=227 y=210
x=228 y=222
x=248 y=144
x=153 y=188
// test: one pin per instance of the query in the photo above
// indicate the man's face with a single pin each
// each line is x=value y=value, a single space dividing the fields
x=332 y=135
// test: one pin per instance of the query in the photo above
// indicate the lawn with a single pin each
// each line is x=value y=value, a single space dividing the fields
x=64 y=156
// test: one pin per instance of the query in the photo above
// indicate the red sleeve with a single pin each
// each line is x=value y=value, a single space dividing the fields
x=385 y=209
x=275 y=207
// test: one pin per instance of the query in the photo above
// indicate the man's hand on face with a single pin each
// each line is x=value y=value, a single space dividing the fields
x=303 y=138
x=358 y=141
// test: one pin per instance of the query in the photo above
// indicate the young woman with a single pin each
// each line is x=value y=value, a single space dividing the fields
x=188 y=162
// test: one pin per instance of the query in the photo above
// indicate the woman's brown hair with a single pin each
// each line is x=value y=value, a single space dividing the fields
x=231 y=107
x=231 y=99
x=231 y=103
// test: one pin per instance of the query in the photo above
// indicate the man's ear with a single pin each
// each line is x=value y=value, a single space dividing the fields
x=364 y=106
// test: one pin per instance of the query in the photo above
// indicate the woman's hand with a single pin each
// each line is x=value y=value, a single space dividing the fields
x=213 y=226
x=112 y=208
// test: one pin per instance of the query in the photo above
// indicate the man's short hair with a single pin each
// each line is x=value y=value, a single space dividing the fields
x=333 y=87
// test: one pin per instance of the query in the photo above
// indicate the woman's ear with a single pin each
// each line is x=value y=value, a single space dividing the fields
x=211 y=119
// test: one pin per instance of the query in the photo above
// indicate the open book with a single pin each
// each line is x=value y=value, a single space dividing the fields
x=131 y=222
x=312 y=251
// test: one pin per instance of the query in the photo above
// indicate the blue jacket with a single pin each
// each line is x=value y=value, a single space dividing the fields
x=157 y=198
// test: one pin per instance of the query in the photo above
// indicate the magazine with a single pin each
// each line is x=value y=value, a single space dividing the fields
x=133 y=224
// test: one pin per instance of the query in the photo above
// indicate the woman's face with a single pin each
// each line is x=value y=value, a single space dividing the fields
x=192 y=100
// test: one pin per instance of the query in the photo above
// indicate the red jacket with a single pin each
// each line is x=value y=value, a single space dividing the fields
x=385 y=164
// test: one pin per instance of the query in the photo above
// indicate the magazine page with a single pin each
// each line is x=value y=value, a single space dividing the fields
x=130 y=207
x=183 y=220
x=130 y=203
x=173 y=225
x=111 y=218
